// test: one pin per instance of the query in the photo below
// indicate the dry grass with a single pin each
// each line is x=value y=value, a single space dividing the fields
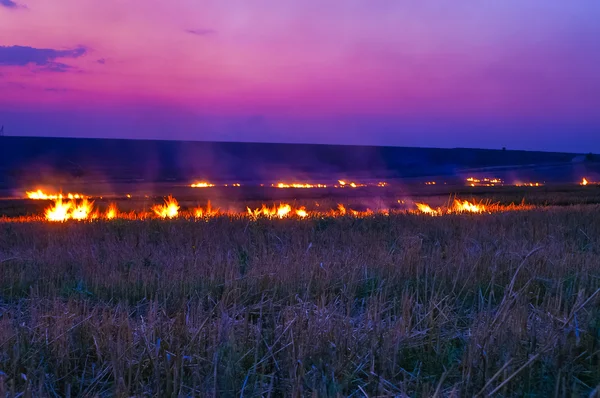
x=406 y=305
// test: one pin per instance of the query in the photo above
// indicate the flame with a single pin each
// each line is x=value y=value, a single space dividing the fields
x=83 y=210
x=464 y=206
x=283 y=210
x=430 y=183
x=112 y=212
x=199 y=212
x=342 y=183
x=301 y=212
x=170 y=209
x=202 y=184
x=584 y=182
x=382 y=184
x=59 y=211
x=63 y=211
x=425 y=208
x=41 y=195
x=342 y=209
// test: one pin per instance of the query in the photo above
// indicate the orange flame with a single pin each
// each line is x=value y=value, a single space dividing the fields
x=83 y=210
x=112 y=212
x=199 y=212
x=425 y=208
x=59 y=211
x=301 y=212
x=464 y=206
x=584 y=182
x=170 y=209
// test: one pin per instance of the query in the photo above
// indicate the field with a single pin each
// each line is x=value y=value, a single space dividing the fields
x=502 y=304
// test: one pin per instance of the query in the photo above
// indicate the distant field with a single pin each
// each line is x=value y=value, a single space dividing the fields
x=503 y=304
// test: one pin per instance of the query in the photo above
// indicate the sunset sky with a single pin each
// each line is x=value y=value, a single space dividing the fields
x=521 y=74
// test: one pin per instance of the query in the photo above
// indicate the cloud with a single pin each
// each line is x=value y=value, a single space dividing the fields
x=42 y=57
x=200 y=32
x=8 y=4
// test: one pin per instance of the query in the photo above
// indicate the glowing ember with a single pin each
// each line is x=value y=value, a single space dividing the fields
x=430 y=183
x=382 y=184
x=112 y=212
x=170 y=209
x=202 y=184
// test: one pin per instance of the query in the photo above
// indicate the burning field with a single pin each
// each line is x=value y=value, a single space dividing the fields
x=328 y=289
x=79 y=207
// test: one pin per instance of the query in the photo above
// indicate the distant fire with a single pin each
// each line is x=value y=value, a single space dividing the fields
x=352 y=184
x=430 y=182
x=41 y=195
x=585 y=182
x=484 y=182
x=529 y=184
x=202 y=184
x=298 y=185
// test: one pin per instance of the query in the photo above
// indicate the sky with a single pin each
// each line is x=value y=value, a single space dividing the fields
x=465 y=73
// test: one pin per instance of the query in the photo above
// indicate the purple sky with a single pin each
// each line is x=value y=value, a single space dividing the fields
x=511 y=73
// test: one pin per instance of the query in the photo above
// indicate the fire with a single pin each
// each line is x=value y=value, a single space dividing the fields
x=112 y=212
x=464 y=206
x=283 y=210
x=170 y=209
x=202 y=184
x=382 y=184
x=199 y=212
x=301 y=212
x=41 y=195
x=425 y=208
x=63 y=211
x=342 y=209
x=59 y=211
x=83 y=210
x=584 y=182
x=529 y=184
x=298 y=185
x=430 y=183
x=484 y=182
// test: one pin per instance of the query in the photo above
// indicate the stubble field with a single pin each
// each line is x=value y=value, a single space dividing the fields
x=502 y=304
